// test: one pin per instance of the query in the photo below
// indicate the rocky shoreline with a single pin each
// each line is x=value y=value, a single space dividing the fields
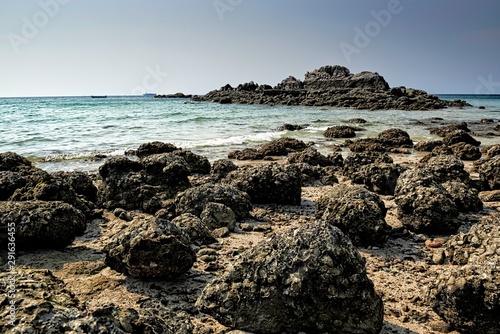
x=382 y=235
x=332 y=86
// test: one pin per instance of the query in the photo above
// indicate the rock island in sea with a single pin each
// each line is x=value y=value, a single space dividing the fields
x=333 y=86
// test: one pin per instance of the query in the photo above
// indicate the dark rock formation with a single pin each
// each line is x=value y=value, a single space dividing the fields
x=316 y=176
x=246 y=154
x=197 y=231
x=217 y=215
x=220 y=168
x=443 y=131
x=491 y=151
x=460 y=136
x=357 y=120
x=490 y=196
x=380 y=178
x=354 y=161
x=280 y=184
x=466 y=151
x=366 y=145
x=395 y=138
x=358 y=212
x=445 y=167
x=193 y=200
x=307 y=280
x=150 y=248
x=151 y=148
x=340 y=131
x=197 y=164
x=489 y=173
x=424 y=205
x=41 y=224
x=332 y=86
x=312 y=157
x=466 y=199
x=428 y=146
x=282 y=146
x=80 y=182
x=290 y=127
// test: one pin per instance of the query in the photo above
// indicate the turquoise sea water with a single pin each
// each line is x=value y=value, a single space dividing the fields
x=65 y=133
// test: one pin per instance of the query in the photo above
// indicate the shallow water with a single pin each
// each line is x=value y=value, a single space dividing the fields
x=66 y=133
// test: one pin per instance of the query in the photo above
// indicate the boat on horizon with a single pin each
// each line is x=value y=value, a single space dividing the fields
x=98 y=96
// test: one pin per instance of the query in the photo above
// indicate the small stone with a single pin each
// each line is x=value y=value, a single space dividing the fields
x=438 y=257
x=434 y=242
x=440 y=326
x=221 y=232
x=207 y=258
x=246 y=227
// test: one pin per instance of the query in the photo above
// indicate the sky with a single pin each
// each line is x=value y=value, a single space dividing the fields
x=124 y=47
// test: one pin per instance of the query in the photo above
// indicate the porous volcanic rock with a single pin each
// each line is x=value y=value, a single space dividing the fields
x=424 y=205
x=467 y=298
x=312 y=157
x=198 y=232
x=460 y=136
x=280 y=184
x=489 y=173
x=465 y=197
x=380 y=178
x=366 y=145
x=193 y=200
x=428 y=146
x=445 y=167
x=466 y=151
x=354 y=161
x=442 y=131
x=246 y=154
x=290 y=127
x=282 y=146
x=155 y=147
x=81 y=183
x=316 y=176
x=217 y=215
x=150 y=248
x=309 y=279
x=42 y=224
x=220 y=168
x=395 y=138
x=340 y=131
x=358 y=212
x=197 y=164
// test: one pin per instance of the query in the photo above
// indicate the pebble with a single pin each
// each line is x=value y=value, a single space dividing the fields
x=221 y=232
x=438 y=257
x=434 y=242
x=440 y=326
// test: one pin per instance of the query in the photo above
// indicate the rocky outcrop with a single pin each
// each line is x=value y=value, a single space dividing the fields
x=198 y=232
x=194 y=200
x=41 y=224
x=445 y=130
x=445 y=167
x=313 y=175
x=460 y=136
x=290 y=127
x=395 y=138
x=312 y=157
x=466 y=151
x=333 y=86
x=366 y=145
x=150 y=248
x=466 y=198
x=340 y=131
x=380 y=178
x=220 y=168
x=354 y=161
x=358 y=212
x=280 y=184
x=151 y=148
x=489 y=173
x=246 y=154
x=428 y=146
x=218 y=215
x=307 y=280
x=491 y=151
x=278 y=147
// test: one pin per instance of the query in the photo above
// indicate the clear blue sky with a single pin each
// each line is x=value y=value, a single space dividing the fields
x=84 y=47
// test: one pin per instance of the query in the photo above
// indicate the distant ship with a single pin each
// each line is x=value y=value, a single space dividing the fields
x=98 y=96
x=149 y=94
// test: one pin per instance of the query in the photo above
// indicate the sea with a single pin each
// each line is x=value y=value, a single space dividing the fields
x=80 y=133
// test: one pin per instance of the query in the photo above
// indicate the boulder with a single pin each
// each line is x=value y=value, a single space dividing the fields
x=460 y=136
x=424 y=205
x=197 y=164
x=428 y=146
x=466 y=297
x=340 y=131
x=357 y=120
x=316 y=176
x=280 y=184
x=358 y=212
x=290 y=127
x=445 y=167
x=10 y=161
x=9 y=183
x=193 y=200
x=217 y=215
x=366 y=145
x=466 y=198
x=354 y=161
x=282 y=146
x=81 y=183
x=489 y=173
x=155 y=147
x=311 y=156
x=220 y=168
x=41 y=224
x=395 y=138
x=466 y=151
x=309 y=279
x=198 y=232
x=150 y=248
x=380 y=178
x=491 y=151
x=442 y=131
x=246 y=154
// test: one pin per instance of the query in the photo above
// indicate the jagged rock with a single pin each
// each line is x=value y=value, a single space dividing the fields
x=282 y=146
x=366 y=145
x=316 y=176
x=442 y=131
x=445 y=167
x=193 y=200
x=424 y=205
x=80 y=182
x=280 y=184
x=155 y=147
x=489 y=173
x=290 y=127
x=467 y=298
x=220 y=168
x=328 y=77
x=9 y=183
x=196 y=163
x=465 y=198
x=290 y=83
x=197 y=231
x=340 y=131
x=246 y=154
x=354 y=161
x=358 y=212
x=380 y=178
x=466 y=151
x=217 y=215
x=42 y=224
x=395 y=138
x=460 y=136
x=311 y=156
x=428 y=146
x=491 y=151
x=150 y=248
x=307 y=280
x=357 y=120
x=10 y=161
